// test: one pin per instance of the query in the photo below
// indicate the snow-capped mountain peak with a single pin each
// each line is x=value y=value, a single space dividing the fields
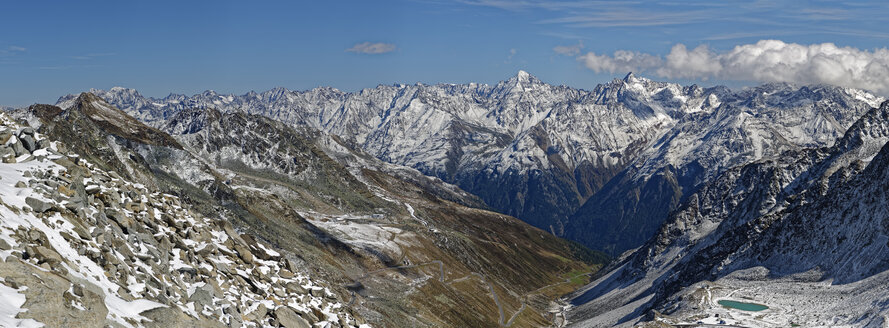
x=477 y=135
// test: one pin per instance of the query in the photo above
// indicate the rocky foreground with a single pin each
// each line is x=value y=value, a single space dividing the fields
x=81 y=247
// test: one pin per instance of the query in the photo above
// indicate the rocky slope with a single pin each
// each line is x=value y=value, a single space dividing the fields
x=807 y=227
x=83 y=247
x=573 y=162
x=391 y=246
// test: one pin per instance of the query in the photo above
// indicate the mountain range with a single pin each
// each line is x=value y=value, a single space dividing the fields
x=601 y=167
x=442 y=205
x=230 y=219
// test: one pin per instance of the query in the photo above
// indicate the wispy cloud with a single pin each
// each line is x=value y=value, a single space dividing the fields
x=512 y=53
x=93 y=56
x=572 y=50
x=372 y=48
x=543 y=4
x=12 y=50
x=764 y=61
x=629 y=18
x=817 y=17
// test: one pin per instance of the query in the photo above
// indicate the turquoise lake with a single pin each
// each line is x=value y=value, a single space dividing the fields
x=742 y=305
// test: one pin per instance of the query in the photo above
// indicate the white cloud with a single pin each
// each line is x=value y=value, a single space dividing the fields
x=17 y=48
x=764 y=61
x=621 y=61
x=572 y=50
x=372 y=48
x=512 y=53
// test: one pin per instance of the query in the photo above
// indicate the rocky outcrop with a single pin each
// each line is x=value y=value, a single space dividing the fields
x=94 y=249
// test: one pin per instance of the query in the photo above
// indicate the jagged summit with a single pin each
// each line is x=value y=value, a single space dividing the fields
x=521 y=75
x=630 y=77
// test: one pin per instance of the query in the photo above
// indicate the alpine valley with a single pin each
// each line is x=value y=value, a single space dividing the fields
x=519 y=204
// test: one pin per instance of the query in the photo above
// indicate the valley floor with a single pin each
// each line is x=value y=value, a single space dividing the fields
x=799 y=300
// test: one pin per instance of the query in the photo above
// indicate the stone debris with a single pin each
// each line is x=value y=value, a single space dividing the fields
x=135 y=257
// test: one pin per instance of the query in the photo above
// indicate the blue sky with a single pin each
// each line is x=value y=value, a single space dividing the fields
x=51 y=48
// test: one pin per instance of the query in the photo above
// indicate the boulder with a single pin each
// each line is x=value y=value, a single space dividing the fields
x=38 y=205
x=29 y=143
x=19 y=148
x=47 y=255
x=289 y=319
x=42 y=143
x=6 y=151
x=294 y=287
x=244 y=253
x=122 y=219
x=5 y=136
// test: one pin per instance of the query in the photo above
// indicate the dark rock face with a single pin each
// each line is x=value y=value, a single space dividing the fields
x=624 y=214
x=28 y=142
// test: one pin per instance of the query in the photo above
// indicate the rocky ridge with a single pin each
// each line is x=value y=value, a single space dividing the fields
x=126 y=256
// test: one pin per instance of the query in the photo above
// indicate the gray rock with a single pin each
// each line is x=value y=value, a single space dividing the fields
x=244 y=253
x=4 y=136
x=122 y=219
x=42 y=143
x=29 y=143
x=47 y=255
x=37 y=205
x=260 y=312
x=202 y=296
x=189 y=270
x=294 y=287
x=6 y=151
x=27 y=131
x=289 y=319
x=18 y=148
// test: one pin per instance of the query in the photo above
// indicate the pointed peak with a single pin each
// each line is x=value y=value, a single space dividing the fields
x=89 y=97
x=630 y=77
x=522 y=75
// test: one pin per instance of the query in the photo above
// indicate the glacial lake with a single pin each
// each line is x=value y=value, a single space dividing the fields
x=742 y=305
